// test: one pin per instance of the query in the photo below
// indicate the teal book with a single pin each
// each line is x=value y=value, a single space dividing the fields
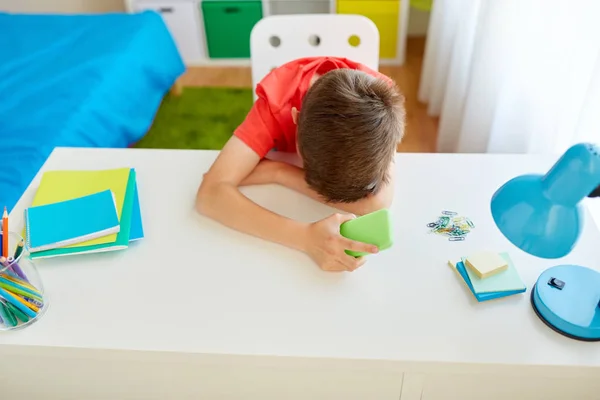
x=70 y=222
x=137 y=228
x=123 y=236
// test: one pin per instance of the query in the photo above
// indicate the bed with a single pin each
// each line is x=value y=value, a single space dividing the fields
x=77 y=81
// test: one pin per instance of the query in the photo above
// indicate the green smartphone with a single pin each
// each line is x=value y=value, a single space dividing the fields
x=374 y=228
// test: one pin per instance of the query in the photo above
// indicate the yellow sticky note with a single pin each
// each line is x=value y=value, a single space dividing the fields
x=486 y=264
x=58 y=186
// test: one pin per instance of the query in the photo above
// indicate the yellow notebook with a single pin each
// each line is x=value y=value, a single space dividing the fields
x=58 y=186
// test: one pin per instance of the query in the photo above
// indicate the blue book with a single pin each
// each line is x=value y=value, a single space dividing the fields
x=137 y=229
x=71 y=221
x=461 y=269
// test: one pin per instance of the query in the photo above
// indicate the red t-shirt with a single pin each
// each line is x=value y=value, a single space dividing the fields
x=269 y=124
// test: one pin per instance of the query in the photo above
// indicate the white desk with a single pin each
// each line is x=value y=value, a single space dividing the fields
x=197 y=311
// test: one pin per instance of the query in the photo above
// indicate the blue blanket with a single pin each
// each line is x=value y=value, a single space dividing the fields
x=77 y=81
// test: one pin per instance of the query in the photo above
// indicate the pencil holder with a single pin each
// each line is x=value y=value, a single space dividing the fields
x=22 y=297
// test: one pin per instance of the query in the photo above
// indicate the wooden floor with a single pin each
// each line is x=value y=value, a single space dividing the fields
x=421 y=129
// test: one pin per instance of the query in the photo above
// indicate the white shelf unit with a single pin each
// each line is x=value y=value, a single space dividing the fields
x=185 y=21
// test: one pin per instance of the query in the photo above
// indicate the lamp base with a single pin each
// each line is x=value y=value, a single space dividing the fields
x=567 y=299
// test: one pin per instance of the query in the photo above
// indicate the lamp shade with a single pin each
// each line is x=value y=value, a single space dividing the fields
x=542 y=214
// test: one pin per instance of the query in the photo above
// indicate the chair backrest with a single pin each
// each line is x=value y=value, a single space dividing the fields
x=278 y=39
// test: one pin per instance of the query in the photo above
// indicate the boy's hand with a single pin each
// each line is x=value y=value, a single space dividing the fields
x=325 y=245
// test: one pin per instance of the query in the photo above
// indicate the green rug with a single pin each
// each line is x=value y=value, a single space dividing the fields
x=201 y=118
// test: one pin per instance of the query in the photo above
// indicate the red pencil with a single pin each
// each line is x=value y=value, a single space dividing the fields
x=5 y=233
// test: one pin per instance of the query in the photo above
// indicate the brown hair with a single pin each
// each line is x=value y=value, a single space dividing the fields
x=348 y=128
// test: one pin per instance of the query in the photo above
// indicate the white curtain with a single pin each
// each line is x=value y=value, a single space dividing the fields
x=513 y=76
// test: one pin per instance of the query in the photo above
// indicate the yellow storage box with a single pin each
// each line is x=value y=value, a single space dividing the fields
x=384 y=13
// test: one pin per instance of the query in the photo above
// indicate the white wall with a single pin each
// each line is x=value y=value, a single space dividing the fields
x=62 y=6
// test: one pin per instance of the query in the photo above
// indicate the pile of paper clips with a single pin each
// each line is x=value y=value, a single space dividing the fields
x=450 y=224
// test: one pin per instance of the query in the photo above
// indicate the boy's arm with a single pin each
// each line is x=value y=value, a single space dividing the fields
x=293 y=178
x=219 y=198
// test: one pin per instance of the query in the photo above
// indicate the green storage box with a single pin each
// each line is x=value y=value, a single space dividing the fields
x=228 y=24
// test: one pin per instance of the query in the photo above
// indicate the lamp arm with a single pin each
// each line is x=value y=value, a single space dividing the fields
x=595 y=192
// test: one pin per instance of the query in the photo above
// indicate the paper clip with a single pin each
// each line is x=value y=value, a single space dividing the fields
x=451 y=225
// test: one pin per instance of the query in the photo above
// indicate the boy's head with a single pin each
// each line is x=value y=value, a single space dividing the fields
x=348 y=129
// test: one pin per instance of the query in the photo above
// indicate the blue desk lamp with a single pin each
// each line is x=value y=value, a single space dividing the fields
x=543 y=216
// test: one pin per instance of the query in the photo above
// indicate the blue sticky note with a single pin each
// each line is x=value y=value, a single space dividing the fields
x=504 y=281
x=460 y=268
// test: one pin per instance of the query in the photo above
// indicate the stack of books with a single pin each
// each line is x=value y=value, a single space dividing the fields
x=79 y=212
x=489 y=275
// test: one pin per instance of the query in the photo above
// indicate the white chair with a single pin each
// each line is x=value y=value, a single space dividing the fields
x=278 y=39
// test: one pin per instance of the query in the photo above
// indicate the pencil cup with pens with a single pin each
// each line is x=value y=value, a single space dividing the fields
x=22 y=299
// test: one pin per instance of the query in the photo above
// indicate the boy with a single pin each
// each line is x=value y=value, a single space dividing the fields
x=344 y=120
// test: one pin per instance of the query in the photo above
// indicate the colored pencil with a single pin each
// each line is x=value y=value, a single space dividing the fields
x=4 y=262
x=19 y=289
x=19 y=250
x=16 y=268
x=11 y=299
x=5 y=233
x=36 y=303
x=21 y=300
x=23 y=286
x=18 y=280
x=18 y=313
x=8 y=317
x=9 y=273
